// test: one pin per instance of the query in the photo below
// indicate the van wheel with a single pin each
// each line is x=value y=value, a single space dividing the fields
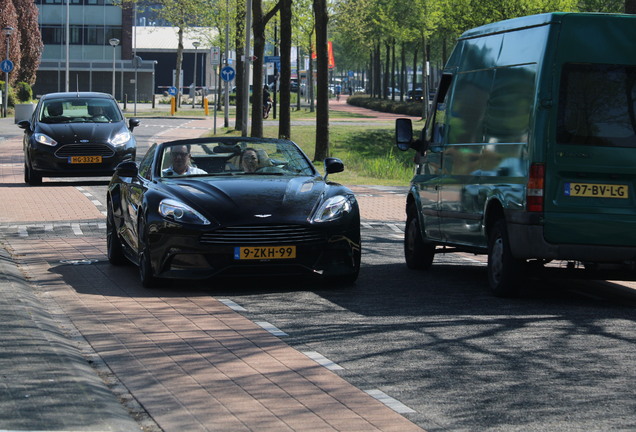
x=418 y=254
x=504 y=271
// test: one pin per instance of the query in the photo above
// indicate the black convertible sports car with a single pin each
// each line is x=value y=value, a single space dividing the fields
x=208 y=207
x=76 y=135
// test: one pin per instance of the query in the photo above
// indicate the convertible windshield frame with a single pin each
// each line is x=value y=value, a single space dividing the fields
x=232 y=157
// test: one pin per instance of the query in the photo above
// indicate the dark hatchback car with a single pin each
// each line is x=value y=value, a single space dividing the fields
x=76 y=135
x=232 y=207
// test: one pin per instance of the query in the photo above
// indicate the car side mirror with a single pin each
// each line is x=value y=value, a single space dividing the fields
x=127 y=169
x=403 y=133
x=133 y=123
x=24 y=124
x=333 y=165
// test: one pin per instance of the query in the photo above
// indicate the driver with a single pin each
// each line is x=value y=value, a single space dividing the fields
x=181 y=163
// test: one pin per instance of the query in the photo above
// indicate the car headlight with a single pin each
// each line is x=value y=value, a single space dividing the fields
x=44 y=139
x=333 y=208
x=179 y=212
x=121 y=138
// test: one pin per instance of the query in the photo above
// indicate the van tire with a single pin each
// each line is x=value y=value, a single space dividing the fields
x=504 y=271
x=418 y=254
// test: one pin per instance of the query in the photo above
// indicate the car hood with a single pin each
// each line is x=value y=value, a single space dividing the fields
x=252 y=199
x=65 y=133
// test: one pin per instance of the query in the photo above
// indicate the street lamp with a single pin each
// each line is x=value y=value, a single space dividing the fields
x=113 y=42
x=194 y=83
x=7 y=32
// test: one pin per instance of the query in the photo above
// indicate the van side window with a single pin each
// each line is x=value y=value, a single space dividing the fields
x=597 y=105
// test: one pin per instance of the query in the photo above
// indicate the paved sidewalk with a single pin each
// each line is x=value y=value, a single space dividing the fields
x=219 y=372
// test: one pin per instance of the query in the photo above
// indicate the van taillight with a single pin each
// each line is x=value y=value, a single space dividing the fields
x=534 y=196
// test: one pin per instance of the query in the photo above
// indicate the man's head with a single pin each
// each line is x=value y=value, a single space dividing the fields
x=180 y=158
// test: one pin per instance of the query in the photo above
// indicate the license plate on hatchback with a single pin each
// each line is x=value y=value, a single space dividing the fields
x=264 y=252
x=85 y=159
x=595 y=190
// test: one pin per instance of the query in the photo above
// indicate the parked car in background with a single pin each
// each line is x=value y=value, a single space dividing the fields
x=414 y=95
x=76 y=134
x=232 y=207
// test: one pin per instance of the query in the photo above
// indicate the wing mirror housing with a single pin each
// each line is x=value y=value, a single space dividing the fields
x=404 y=136
x=333 y=165
x=127 y=169
x=133 y=123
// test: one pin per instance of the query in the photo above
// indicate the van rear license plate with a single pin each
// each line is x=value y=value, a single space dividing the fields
x=84 y=159
x=595 y=190
x=264 y=252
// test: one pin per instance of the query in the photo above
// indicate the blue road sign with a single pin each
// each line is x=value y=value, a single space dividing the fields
x=273 y=59
x=172 y=91
x=6 y=66
x=228 y=73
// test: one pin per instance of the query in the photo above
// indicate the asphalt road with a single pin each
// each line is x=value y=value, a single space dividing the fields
x=562 y=357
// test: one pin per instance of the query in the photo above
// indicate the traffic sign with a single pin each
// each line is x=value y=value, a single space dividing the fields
x=6 y=66
x=228 y=73
x=273 y=59
x=215 y=56
x=172 y=91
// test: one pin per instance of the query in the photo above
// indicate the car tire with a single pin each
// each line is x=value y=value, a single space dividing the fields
x=505 y=273
x=114 y=250
x=419 y=255
x=147 y=276
x=31 y=177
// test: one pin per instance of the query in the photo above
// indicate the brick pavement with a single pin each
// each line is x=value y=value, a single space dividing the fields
x=189 y=360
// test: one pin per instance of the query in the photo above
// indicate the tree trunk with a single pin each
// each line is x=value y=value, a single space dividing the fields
x=414 y=83
x=322 y=81
x=239 y=41
x=178 y=67
x=310 y=76
x=284 y=121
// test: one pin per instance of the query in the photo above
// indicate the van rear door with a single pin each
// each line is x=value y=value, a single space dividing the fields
x=591 y=158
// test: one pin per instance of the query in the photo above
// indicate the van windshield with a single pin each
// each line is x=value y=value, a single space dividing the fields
x=597 y=105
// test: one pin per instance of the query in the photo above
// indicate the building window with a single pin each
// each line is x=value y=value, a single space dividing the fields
x=80 y=35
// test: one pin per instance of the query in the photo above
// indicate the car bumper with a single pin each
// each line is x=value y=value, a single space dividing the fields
x=182 y=255
x=46 y=163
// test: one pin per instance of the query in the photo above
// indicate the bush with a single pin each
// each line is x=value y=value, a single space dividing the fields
x=385 y=105
x=23 y=92
x=11 y=101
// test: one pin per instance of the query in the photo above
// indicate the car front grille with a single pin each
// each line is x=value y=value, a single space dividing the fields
x=261 y=235
x=84 y=150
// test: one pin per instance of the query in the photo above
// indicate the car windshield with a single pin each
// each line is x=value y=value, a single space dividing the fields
x=230 y=158
x=79 y=110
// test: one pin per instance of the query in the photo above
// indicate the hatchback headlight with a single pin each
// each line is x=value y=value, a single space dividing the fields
x=180 y=212
x=333 y=208
x=44 y=139
x=121 y=138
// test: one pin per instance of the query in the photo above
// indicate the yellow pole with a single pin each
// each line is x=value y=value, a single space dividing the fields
x=172 y=105
x=205 y=106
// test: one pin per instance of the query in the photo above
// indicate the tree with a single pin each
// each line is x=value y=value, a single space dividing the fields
x=322 y=81
x=260 y=20
x=30 y=41
x=9 y=18
x=284 y=121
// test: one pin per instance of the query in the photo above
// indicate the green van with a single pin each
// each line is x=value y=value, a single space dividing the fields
x=529 y=154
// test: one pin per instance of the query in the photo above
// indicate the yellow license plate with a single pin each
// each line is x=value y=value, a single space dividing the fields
x=595 y=190
x=264 y=252
x=85 y=159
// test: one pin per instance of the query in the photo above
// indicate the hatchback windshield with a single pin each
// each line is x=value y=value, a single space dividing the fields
x=236 y=158
x=79 y=110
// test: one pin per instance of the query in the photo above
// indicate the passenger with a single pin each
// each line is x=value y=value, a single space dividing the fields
x=249 y=160
x=98 y=113
x=181 y=163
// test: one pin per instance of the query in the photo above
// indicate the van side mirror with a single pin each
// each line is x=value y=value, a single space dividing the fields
x=403 y=133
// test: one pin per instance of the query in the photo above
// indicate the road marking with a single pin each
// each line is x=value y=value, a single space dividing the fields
x=387 y=400
x=394 y=227
x=229 y=303
x=322 y=360
x=22 y=231
x=271 y=328
x=76 y=229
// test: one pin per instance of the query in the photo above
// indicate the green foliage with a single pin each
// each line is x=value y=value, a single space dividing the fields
x=385 y=105
x=23 y=92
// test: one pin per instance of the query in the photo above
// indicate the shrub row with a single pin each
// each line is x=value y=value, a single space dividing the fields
x=386 y=105
x=20 y=93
